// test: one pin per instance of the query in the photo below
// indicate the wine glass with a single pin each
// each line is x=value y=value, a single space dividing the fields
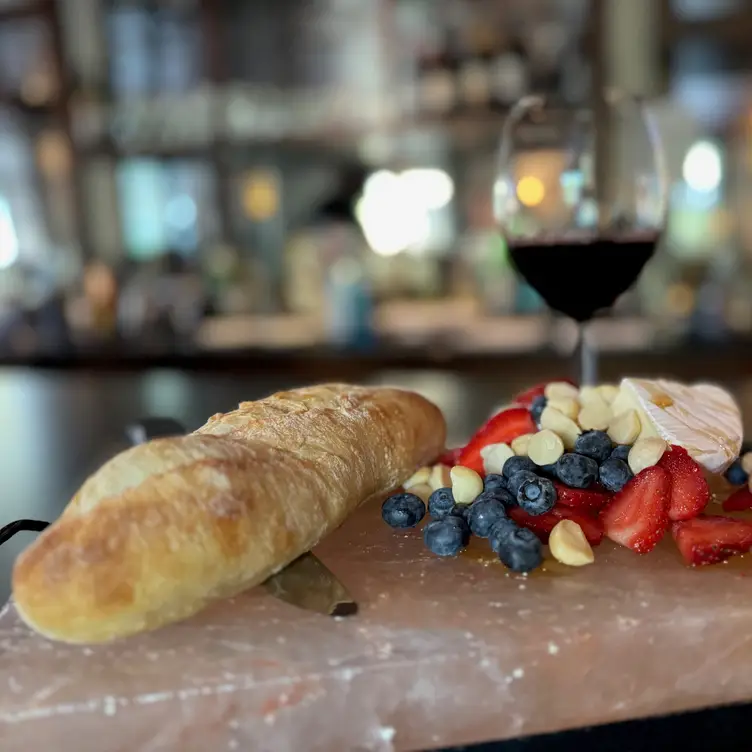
x=580 y=196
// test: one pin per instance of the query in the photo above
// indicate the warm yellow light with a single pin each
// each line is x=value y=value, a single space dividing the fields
x=531 y=191
x=260 y=196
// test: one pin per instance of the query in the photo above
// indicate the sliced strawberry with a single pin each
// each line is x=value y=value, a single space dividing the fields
x=689 y=489
x=739 y=501
x=543 y=524
x=525 y=399
x=501 y=429
x=709 y=539
x=450 y=457
x=586 y=500
x=637 y=517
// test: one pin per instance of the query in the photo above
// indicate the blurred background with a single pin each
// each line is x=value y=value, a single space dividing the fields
x=254 y=178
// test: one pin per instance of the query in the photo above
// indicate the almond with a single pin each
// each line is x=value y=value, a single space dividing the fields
x=466 y=484
x=625 y=428
x=545 y=447
x=569 y=545
x=494 y=456
x=595 y=416
x=521 y=443
x=747 y=463
x=566 y=405
x=440 y=477
x=557 y=422
x=423 y=491
x=608 y=392
x=590 y=394
x=419 y=477
x=646 y=453
x=561 y=390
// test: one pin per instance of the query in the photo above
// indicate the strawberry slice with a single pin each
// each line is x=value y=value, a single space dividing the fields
x=543 y=524
x=525 y=399
x=739 y=501
x=450 y=457
x=590 y=500
x=501 y=429
x=637 y=517
x=689 y=489
x=708 y=539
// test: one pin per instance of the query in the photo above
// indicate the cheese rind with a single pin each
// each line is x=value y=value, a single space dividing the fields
x=702 y=418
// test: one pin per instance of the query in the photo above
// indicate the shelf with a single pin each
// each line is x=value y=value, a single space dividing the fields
x=461 y=129
x=26 y=10
x=733 y=29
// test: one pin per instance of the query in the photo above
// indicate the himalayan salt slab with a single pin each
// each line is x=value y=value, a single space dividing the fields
x=443 y=652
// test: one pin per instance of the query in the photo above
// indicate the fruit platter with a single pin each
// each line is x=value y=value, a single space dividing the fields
x=561 y=469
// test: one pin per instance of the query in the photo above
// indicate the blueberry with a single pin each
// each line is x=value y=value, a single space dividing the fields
x=517 y=480
x=615 y=474
x=492 y=482
x=736 y=475
x=484 y=513
x=499 y=531
x=537 y=496
x=504 y=496
x=520 y=550
x=594 y=444
x=461 y=510
x=537 y=408
x=576 y=470
x=515 y=465
x=621 y=452
x=403 y=510
x=446 y=537
x=548 y=471
x=441 y=503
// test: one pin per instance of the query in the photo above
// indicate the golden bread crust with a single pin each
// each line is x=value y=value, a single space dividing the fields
x=166 y=527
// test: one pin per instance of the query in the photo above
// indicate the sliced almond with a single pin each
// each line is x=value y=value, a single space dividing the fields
x=521 y=443
x=566 y=405
x=557 y=422
x=561 y=390
x=747 y=463
x=419 y=477
x=625 y=428
x=645 y=453
x=545 y=447
x=608 y=392
x=595 y=416
x=440 y=477
x=423 y=491
x=494 y=456
x=569 y=545
x=466 y=484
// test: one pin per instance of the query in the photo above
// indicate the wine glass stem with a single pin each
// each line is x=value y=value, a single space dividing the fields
x=586 y=357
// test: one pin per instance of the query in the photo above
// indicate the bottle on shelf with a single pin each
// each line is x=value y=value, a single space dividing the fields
x=437 y=79
x=474 y=70
x=509 y=76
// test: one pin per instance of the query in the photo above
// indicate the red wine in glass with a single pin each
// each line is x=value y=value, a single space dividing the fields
x=581 y=276
x=581 y=201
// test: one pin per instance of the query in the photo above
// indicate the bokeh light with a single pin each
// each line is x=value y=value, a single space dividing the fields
x=531 y=191
x=703 y=167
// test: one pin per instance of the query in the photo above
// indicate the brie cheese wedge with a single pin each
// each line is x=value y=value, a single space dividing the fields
x=702 y=418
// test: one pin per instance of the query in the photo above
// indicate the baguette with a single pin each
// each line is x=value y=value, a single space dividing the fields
x=166 y=527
